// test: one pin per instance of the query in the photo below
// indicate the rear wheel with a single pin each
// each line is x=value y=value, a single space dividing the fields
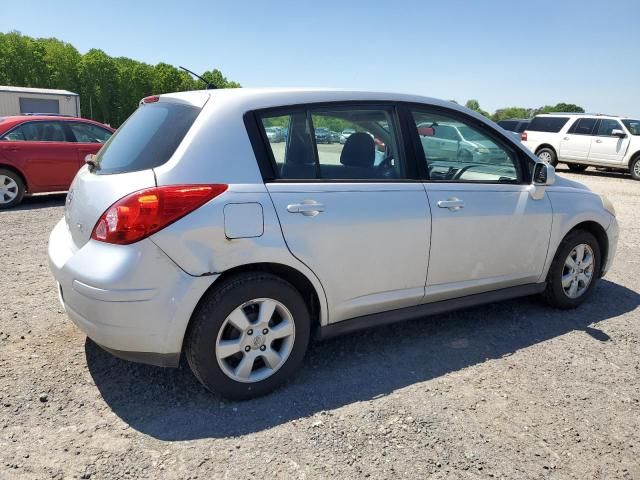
x=577 y=167
x=248 y=336
x=11 y=188
x=548 y=155
x=574 y=270
x=634 y=168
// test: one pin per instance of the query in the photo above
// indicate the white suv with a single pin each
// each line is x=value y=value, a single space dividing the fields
x=195 y=232
x=580 y=140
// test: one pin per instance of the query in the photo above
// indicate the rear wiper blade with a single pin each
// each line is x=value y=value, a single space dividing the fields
x=90 y=160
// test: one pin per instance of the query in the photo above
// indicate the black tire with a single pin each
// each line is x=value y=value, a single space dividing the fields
x=210 y=315
x=552 y=157
x=21 y=188
x=634 y=168
x=577 y=167
x=554 y=293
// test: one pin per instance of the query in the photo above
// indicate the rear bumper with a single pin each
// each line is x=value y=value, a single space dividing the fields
x=130 y=299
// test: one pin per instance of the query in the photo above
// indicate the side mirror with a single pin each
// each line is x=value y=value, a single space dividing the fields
x=616 y=132
x=543 y=174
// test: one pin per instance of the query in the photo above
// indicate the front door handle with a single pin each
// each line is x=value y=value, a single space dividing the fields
x=308 y=208
x=598 y=141
x=452 y=203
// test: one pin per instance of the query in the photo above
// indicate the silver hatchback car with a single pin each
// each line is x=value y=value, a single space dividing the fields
x=191 y=232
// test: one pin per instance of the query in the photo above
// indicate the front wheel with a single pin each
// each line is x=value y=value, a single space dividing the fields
x=577 y=167
x=11 y=188
x=548 y=155
x=634 y=168
x=574 y=270
x=248 y=335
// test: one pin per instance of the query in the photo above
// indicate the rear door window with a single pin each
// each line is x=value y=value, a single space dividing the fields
x=88 y=133
x=583 y=126
x=547 y=124
x=147 y=139
x=368 y=150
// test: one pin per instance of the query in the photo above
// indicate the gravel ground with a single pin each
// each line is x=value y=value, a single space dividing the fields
x=510 y=390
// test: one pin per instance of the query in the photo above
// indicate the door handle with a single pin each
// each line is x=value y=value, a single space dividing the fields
x=566 y=138
x=598 y=141
x=452 y=203
x=308 y=208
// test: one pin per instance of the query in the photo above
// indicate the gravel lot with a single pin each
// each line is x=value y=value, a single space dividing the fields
x=510 y=390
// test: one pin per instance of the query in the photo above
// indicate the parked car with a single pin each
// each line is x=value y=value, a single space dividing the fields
x=323 y=135
x=189 y=236
x=275 y=134
x=581 y=140
x=455 y=141
x=335 y=136
x=345 y=135
x=43 y=153
x=515 y=125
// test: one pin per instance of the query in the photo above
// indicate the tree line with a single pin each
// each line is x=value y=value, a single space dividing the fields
x=109 y=87
x=521 y=112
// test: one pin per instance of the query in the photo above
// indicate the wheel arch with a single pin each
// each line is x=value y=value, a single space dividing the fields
x=546 y=145
x=600 y=233
x=18 y=172
x=312 y=298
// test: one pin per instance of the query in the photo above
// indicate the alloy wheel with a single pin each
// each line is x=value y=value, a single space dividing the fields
x=577 y=272
x=255 y=340
x=8 y=189
x=545 y=156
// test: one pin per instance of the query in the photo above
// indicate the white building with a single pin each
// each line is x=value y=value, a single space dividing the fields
x=21 y=100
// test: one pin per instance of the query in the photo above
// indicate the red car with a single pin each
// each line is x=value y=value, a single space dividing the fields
x=43 y=153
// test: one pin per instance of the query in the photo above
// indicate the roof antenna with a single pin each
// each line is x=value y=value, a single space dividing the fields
x=210 y=86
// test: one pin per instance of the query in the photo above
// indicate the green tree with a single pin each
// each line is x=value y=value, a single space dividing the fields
x=475 y=106
x=62 y=60
x=98 y=74
x=22 y=61
x=511 y=112
x=561 y=107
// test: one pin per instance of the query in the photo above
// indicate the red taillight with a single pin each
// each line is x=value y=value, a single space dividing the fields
x=523 y=136
x=151 y=99
x=147 y=211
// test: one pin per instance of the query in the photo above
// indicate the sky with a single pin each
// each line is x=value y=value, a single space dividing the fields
x=502 y=53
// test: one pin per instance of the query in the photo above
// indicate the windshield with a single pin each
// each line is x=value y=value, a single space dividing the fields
x=633 y=126
x=147 y=139
x=470 y=134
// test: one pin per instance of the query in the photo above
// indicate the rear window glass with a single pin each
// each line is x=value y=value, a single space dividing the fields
x=547 y=124
x=147 y=139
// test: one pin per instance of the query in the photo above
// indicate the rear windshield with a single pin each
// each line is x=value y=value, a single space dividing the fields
x=547 y=124
x=147 y=139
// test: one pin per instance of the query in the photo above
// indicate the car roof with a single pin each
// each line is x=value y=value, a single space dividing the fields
x=246 y=99
x=13 y=120
x=574 y=114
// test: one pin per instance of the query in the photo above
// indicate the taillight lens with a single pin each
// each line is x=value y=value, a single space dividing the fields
x=147 y=211
x=151 y=99
x=523 y=136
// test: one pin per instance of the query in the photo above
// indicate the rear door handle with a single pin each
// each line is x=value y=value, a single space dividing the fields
x=451 y=203
x=598 y=141
x=566 y=138
x=308 y=208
